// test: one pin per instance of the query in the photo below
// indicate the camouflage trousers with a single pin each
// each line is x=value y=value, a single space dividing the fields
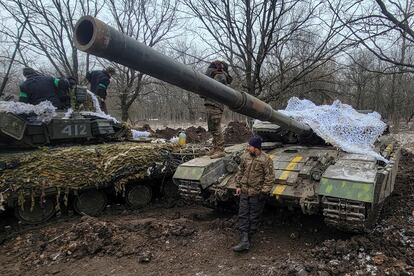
x=102 y=105
x=214 y=115
x=250 y=211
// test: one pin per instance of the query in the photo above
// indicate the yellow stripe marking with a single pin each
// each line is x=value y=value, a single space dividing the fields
x=279 y=189
x=290 y=167
x=389 y=148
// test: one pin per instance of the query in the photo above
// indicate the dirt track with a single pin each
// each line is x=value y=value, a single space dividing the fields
x=196 y=241
x=160 y=241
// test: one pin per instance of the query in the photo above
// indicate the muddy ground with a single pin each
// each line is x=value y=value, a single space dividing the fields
x=192 y=240
x=235 y=132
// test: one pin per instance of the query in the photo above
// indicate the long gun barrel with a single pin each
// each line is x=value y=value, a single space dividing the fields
x=97 y=38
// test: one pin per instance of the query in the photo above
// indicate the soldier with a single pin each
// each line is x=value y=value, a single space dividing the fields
x=253 y=181
x=99 y=80
x=38 y=88
x=217 y=70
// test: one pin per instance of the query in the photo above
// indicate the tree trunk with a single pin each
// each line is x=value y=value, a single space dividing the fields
x=6 y=77
x=124 y=113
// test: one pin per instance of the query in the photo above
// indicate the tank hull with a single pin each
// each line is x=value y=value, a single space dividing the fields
x=79 y=177
x=347 y=189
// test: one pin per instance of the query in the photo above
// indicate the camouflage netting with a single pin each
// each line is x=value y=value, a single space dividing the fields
x=41 y=113
x=339 y=125
x=73 y=168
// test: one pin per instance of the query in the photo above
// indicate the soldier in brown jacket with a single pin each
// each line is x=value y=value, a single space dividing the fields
x=254 y=180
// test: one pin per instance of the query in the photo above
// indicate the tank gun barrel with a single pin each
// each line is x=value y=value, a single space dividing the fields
x=97 y=38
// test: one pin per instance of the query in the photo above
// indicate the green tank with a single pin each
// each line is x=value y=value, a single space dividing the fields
x=347 y=189
x=73 y=160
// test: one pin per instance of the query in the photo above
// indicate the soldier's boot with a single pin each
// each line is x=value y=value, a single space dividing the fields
x=244 y=244
x=217 y=154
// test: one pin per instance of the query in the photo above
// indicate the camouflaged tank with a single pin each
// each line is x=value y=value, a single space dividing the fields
x=348 y=189
x=74 y=160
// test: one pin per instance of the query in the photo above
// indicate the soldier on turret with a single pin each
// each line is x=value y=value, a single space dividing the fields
x=99 y=80
x=217 y=70
x=38 y=88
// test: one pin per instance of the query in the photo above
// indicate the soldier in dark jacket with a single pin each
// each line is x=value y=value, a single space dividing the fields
x=99 y=80
x=38 y=88
x=254 y=180
x=217 y=70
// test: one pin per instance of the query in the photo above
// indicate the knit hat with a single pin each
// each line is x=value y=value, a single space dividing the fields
x=27 y=71
x=256 y=142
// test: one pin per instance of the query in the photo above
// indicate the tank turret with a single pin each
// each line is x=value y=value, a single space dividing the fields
x=20 y=129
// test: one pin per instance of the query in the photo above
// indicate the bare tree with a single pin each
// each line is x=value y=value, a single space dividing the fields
x=20 y=32
x=359 y=78
x=306 y=65
x=49 y=29
x=247 y=33
x=380 y=26
x=151 y=22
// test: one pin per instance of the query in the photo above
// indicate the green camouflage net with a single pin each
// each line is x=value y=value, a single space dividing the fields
x=74 y=168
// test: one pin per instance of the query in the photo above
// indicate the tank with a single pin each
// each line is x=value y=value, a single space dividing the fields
x=63 y=127
x=75 y=159
x=347 y=189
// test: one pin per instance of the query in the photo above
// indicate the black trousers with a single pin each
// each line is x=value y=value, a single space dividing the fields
x=250 y=210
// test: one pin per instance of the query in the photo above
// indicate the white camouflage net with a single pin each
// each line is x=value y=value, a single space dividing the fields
x=44 y=112
x=136 y=134
x=40 y=113
x=339 y=125
x=99 y=113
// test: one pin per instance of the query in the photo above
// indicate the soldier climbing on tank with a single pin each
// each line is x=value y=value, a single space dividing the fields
x=38 y=88
x=217 y=70
x=99 y=80
x=254 y=181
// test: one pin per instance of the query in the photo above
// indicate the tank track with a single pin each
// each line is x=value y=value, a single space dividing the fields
x=349 y=215
x=190 y=191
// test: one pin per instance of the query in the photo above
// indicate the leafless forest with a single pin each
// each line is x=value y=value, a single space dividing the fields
x=360 y=52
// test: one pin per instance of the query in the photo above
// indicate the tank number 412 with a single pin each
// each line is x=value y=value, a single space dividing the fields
x=74 y=130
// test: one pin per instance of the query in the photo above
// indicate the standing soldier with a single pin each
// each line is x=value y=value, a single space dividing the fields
x=99 y=80
x=253 y=181
x=217 y=70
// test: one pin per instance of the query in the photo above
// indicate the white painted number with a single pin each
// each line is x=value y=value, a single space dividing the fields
x=67 y=130
x=75 y=130
x=82 y=129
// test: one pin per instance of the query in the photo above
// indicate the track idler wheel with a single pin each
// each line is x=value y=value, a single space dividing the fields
x=138 y=196
x=91 y=203
x=40 y=213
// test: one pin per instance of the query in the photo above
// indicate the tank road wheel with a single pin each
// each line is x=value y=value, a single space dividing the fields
x=39 y=214
x=91 y=203
x=170 y=190
x=138 y=196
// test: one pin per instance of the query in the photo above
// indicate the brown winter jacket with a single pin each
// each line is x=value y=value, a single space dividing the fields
x=256 y=174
